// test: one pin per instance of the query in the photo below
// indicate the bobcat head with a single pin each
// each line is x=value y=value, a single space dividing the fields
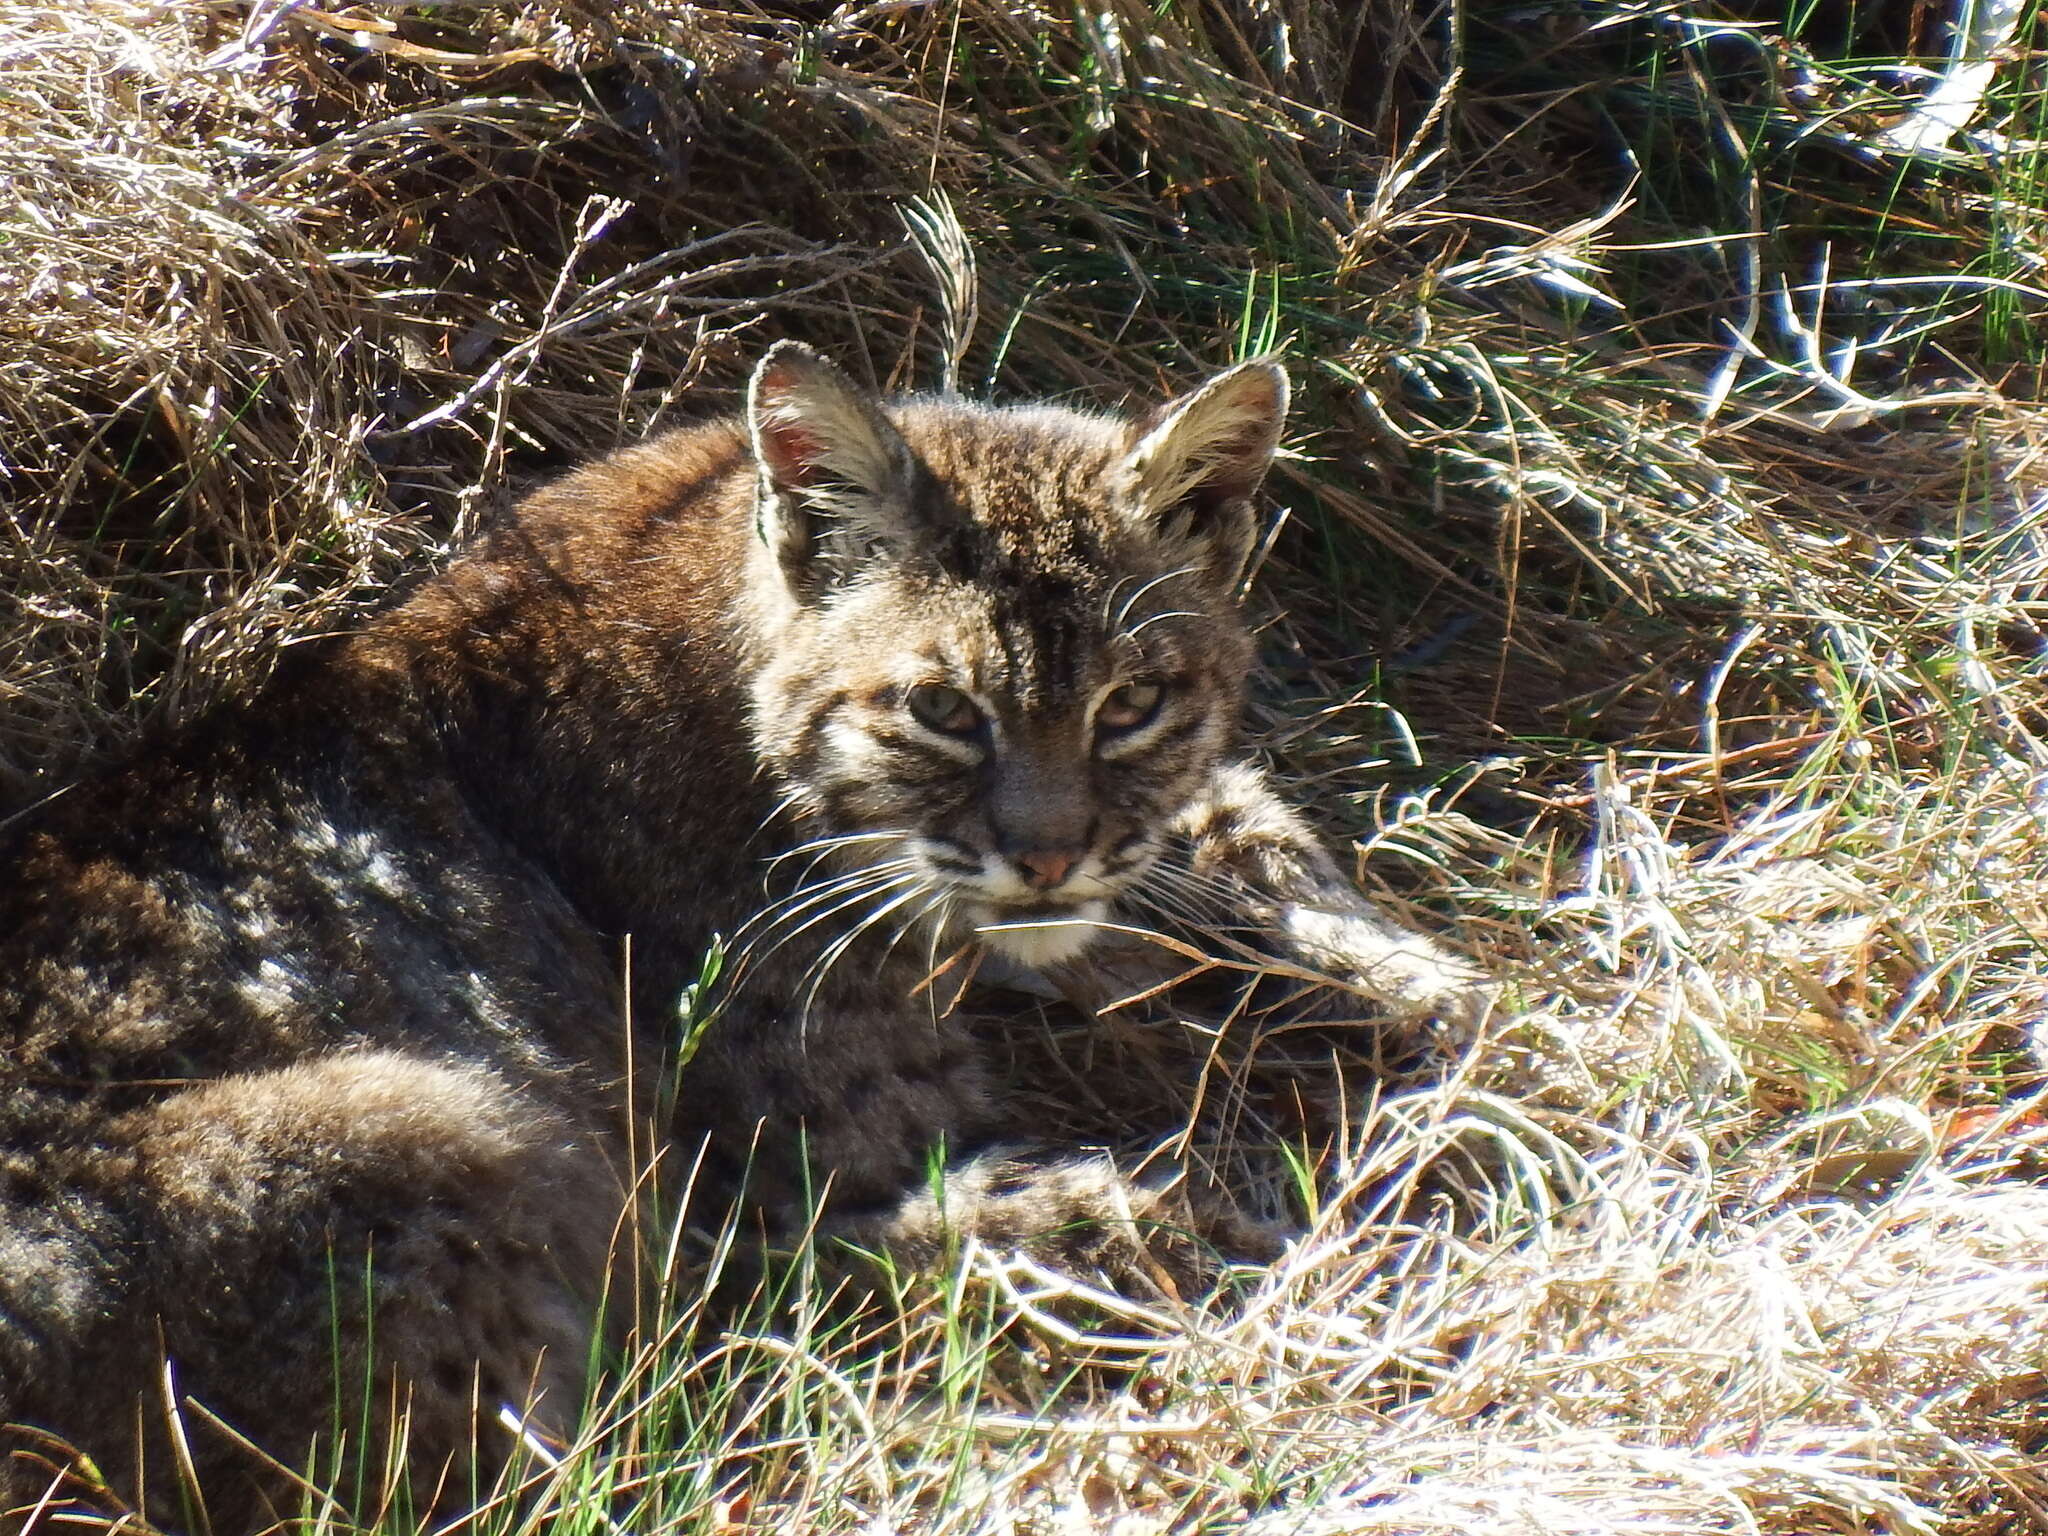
x=997 y=650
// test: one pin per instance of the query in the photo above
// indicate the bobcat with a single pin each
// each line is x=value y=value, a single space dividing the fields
x=313 y=1042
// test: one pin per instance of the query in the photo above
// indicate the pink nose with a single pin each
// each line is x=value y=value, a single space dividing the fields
x=1046 y=867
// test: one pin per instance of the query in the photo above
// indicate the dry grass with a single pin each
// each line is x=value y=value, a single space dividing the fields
x=1663 y=607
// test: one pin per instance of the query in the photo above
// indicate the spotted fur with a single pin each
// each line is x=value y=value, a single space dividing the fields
x=315 y=1021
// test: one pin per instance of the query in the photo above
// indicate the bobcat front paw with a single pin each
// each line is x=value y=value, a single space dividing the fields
x=1390 y=964
x=1081 y=1215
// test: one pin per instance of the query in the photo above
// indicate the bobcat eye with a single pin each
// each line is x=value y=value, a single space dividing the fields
x=943 y=709
x=1130 y=706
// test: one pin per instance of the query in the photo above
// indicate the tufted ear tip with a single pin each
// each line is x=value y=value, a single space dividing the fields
x=1256 y=390
x=784 y=366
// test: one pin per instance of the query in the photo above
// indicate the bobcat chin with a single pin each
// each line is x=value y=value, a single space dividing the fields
x=313 y=1065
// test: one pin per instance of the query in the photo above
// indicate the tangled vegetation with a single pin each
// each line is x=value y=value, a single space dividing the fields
x=1662 y=606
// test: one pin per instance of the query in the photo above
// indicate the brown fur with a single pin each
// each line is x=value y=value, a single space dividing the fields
x=319 y=1008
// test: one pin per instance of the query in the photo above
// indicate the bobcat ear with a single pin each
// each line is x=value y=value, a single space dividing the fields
x=835 y=476
x=1198 y=461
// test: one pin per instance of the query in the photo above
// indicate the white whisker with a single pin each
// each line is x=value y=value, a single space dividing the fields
x=848 y=904
x=807 y=893
x=909 y=924
x=822 y=967
x=823 y=903
x=1110 y=597
x=785 y=803
x=1131 y=602
x=1158 y=618
x=837 y=840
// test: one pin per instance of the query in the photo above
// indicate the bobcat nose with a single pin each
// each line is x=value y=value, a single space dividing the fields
x=1045 y=868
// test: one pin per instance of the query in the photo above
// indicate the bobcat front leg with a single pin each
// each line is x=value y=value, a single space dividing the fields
x=1242 y=843
x=876 y=1126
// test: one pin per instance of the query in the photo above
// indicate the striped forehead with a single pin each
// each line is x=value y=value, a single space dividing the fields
x=1045 y=639
x=1039 y=481
x=1035 y=540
